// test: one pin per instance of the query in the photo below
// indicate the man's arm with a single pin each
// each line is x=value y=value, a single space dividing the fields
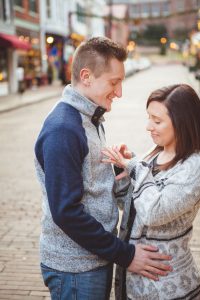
x=61 y=157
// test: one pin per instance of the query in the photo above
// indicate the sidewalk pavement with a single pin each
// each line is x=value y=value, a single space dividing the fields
x=172 y=58
x=31 y=96
x=14 y=101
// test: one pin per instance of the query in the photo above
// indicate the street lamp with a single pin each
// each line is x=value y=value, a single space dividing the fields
x=131 y=46
x=163 y=42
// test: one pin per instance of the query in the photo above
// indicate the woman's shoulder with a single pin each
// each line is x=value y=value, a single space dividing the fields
x=193 y=161
x=188 y=170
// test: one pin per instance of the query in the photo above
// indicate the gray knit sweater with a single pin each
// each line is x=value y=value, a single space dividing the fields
x=166 y=206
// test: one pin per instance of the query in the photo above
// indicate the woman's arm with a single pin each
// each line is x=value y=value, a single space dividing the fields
x=179 y=194
x=157 y=206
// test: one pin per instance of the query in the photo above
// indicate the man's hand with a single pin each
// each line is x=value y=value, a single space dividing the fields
x=125 y=152
x=147 y=262
x=114 y=156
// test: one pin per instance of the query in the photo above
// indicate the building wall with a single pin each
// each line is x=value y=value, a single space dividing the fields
x=88 y=25
x=53 y=22
x=117 y=26
x=174 y=14
x=120 y=33
x=98 y=24
x=80 y=24
x=8 y=56
x=54 y=18
x=6 y=17
x=27 y=26
x=27 y=23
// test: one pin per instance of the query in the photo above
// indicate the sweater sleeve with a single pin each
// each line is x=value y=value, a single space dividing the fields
x=179 y=194
x=63 y=156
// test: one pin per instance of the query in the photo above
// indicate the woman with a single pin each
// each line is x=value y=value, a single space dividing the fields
x=166 y=193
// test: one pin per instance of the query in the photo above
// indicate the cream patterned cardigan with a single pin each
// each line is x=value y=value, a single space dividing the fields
x=166 y=206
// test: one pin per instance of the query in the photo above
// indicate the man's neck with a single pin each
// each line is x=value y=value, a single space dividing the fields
x=81 y=90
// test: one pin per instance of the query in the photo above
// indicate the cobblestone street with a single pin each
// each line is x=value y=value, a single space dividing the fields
x=20 y=201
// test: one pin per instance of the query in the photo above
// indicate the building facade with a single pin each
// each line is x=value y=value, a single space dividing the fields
x=27 y=26
x=54 y=32
x=117 y=24
x=178 y=16
x=64 y=24
x=7 y=54
x=38 y=39
x=87 y=17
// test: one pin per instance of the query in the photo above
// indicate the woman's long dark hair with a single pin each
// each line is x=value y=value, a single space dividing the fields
x=183 y=105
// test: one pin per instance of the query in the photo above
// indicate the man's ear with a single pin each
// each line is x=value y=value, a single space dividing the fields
x=85 y=76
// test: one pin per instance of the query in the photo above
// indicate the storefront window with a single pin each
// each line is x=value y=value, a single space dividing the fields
x=80 y=13
x=135 y=11
x=18 y=3
x=3 y=66
x=31 y=64
x=155 y=9
x=33 y=6
x=165 y=9
x=145 y=10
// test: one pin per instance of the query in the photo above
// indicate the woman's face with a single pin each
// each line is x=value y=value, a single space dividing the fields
x=160 y=125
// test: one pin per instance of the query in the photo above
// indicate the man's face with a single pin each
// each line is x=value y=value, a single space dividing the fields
x=107 y=86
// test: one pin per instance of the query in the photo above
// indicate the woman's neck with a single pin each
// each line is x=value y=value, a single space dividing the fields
x=165 y=156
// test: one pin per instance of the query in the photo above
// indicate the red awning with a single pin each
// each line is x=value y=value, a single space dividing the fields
x=8 y=40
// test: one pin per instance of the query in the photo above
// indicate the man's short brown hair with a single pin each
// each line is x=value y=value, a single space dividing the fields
x=95 y=54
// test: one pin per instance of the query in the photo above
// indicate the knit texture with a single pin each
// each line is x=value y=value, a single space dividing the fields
x=166 y=206
x=80 y=212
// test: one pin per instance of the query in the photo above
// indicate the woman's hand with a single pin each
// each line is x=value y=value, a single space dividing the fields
x=114 y=156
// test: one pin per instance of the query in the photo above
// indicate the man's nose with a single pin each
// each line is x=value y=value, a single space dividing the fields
x=118 y=90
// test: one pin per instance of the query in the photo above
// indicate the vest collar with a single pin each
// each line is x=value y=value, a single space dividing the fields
x=83 y=104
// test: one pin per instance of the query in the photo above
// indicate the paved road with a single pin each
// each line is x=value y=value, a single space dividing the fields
x=20 y=199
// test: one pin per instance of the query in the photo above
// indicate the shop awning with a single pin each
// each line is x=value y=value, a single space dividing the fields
x=8 y=40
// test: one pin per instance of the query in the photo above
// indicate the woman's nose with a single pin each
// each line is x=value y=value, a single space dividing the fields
x=149 y=126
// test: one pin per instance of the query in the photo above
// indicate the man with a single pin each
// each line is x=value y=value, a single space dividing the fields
x=78 y=242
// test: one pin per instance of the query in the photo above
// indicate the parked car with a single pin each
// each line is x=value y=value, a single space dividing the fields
x=130 y=67
x=134 y=65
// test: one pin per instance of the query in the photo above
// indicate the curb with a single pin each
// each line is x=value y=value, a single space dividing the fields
x=193 y=82
x=21 y=105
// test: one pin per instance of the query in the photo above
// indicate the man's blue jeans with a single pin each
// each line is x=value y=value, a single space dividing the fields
x=91 y=285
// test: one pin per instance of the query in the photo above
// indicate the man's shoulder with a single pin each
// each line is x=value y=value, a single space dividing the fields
x=65 y=117
x=63 y=124
x=66 y=111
